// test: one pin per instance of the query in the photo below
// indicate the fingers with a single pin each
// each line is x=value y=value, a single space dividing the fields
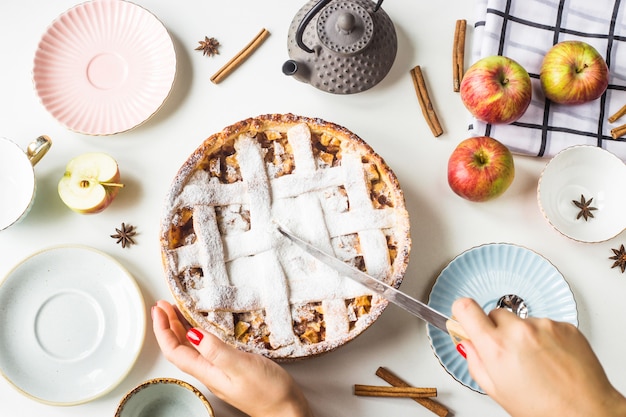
x=476 y=367
x=194 y=351
x=213 y=349
x=174 y=319
x=476 y=322
x=250 y=382
x=222 y=361
x=477 y=326
x=170 y=335
x=167 y=308
x=166 y=337
x=224 y=369
x=471 y=317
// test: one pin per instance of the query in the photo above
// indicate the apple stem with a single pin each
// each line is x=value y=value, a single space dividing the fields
x=504 y=80
x=112 y=184
x=481 y=158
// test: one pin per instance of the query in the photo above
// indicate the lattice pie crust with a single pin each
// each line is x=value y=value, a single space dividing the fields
x=232 y=273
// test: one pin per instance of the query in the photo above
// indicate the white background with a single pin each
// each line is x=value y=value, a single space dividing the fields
x=388 y=117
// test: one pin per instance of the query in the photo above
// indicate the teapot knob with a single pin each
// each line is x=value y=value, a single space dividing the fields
x=346 y=22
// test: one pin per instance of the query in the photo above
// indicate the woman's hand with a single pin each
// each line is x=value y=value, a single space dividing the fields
x=252 y=383
x=535 y=367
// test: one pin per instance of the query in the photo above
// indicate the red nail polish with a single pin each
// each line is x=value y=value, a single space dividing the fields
x=194 y=336
x=461 y=349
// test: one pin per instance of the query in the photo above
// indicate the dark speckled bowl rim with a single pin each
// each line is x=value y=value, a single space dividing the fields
x=174 y=381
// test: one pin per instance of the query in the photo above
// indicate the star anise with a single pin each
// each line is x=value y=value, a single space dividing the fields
x=208 y=46
x=125 y=235
x=585 y=208
x=619 y=258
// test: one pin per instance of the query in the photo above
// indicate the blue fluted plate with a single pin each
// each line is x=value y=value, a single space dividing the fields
x=487 y=272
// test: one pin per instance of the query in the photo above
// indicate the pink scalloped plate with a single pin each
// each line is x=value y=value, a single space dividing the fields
x=104 y=67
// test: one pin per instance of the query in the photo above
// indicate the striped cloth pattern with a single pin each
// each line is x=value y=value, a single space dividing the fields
x=524 y=30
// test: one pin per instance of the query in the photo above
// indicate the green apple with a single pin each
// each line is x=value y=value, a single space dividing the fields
x=573 y=72
x=90 y=183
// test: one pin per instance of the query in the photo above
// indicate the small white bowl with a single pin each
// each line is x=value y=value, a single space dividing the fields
x=591 y=172
x=164 y=397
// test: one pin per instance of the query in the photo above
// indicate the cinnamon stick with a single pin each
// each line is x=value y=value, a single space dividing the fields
x=425 y=103
x=618 y=114
x=400 y=392
x=241 y=56
x=618 y=132
x=428 y=403
x=458 y=54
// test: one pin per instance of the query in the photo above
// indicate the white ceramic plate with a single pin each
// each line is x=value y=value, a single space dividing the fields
x=72 y=323
x=485 y=273
x=104 y=67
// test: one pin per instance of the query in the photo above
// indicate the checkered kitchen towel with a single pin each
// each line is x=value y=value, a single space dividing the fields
x=524 y=30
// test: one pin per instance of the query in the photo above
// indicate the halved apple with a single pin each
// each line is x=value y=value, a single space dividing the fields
x=90 y=183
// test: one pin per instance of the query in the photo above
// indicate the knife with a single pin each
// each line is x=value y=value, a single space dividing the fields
x=403 y=300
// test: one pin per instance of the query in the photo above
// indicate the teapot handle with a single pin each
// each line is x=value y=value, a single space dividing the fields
x=306 y=20
x=310 y=15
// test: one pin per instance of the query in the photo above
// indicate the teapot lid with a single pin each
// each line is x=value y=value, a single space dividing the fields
x=341 y=46
x=345 y=27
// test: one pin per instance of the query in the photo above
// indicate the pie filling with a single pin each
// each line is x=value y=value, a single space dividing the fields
x=232 y=273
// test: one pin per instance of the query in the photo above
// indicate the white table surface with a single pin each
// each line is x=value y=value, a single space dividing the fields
x=388 y=117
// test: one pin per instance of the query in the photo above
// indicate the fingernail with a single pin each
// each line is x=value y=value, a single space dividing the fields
x=461 y=349
x=152 y=312
x=194 y=336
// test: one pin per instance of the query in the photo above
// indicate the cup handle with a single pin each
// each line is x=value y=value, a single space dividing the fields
x=38 y=148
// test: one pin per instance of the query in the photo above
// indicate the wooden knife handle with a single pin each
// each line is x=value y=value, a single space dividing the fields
x=456 y=331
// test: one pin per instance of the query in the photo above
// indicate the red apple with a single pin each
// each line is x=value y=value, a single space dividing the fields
x=573 y=72
x=496 y=90
x=480 y=169
x=90 y=183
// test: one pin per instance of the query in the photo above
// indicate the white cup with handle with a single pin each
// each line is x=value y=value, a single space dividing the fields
x=17 y=178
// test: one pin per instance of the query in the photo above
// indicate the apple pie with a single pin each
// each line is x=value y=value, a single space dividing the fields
x=234 y=274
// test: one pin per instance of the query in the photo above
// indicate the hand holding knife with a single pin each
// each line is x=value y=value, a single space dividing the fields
x=405 y=301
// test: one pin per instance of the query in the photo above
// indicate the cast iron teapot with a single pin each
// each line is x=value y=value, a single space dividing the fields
x=341 y=46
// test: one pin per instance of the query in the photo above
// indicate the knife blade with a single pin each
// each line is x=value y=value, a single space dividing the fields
x=397 y=297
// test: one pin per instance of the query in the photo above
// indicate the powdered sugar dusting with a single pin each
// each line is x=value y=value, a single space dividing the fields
x=245 y=265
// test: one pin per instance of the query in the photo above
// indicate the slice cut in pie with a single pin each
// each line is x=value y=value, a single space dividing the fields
x=232 y=273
